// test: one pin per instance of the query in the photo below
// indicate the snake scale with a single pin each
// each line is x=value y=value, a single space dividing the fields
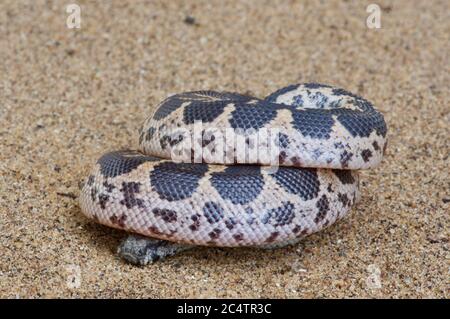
x=174 y=197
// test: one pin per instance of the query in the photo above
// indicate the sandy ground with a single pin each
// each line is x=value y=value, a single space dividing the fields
x=68 y=95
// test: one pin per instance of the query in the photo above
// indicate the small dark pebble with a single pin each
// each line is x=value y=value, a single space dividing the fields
x=189 y=20
x=436 y=239
x=446 y=200
x=70 y=195
x=386 y=9
x=57 y=168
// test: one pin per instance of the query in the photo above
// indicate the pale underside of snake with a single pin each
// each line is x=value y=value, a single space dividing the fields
x=218 y=197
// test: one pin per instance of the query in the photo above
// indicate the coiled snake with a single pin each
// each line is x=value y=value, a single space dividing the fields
x=309 y=140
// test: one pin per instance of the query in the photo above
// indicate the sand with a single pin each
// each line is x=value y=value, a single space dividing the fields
x=68 y=95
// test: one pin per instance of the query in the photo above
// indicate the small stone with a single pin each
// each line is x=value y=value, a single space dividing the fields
x=190 y=20
x=70 y=52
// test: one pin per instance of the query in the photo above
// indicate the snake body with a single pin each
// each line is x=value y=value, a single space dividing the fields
x=323 y=136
